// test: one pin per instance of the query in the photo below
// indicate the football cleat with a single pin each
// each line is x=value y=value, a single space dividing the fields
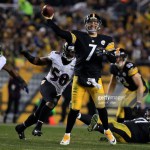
x=36 y=132
x=20 y=132
x=93 y=123
x=65 y=140
x=110 y=137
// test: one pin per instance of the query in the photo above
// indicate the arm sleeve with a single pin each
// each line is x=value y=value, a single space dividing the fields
x=111 y=56
x=62 y=33
x=110 y=49
x=110 y=45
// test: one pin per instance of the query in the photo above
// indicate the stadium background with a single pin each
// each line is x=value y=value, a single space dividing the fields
x=22 y=27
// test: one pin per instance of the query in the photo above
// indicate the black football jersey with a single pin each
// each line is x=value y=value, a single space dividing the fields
x=125 y=75
x=139 y=129
x=88 y=63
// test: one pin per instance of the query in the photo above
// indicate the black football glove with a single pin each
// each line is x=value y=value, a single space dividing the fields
x=111 y=56
x=24 y=87
x=22 y=84
x=100 y=51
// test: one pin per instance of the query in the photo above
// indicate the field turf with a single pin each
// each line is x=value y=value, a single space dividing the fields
x=81 y=139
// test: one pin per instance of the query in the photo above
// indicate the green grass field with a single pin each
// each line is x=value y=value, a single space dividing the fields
x=81 y=139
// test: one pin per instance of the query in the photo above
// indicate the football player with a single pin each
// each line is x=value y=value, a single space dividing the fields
x=135 y=87
x=60 y=75
x=89 y=52
x=13 y=73
x=131 y=131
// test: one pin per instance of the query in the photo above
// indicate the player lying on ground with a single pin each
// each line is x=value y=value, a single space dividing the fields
x=132 y=131
x=12 y=72
x=89 y=54
x=60 y=75
x=135 y=87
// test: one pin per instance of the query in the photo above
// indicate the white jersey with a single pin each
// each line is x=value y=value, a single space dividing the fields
x=60 y=75
x=2 y=61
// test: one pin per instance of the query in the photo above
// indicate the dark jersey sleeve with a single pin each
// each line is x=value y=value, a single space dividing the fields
x=110 y=49
x=110 y=44
x=62 y=33
x=111 y=56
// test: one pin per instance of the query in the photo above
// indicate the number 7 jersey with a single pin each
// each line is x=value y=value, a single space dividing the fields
x=60 y=75
x=88 y=63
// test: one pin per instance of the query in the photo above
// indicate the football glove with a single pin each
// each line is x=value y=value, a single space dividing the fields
x=100 y=51
x=22 y=84
x=94 y=83
x=111 y=56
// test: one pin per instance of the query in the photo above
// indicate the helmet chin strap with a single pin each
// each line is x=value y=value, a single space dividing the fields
x=91 y=30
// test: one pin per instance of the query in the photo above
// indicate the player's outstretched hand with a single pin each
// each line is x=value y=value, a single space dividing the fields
x=25 y=88
x=23 y=84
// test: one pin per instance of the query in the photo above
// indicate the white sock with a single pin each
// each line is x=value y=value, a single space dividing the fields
x=106 y=130
x=79 y=116
x=67 y=134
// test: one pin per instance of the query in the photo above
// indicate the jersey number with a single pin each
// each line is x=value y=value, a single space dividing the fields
x=92 y=51
x=62 y=79
x=122 y=80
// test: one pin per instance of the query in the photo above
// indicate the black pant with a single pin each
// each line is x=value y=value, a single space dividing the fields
x=66 y=100
x=91 y=107
x=12 y=101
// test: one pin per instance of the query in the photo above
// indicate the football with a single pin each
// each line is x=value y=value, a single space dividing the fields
x=47 y=11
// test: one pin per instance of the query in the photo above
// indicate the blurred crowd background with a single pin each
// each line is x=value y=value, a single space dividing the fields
x=127 y=21
x=23 y=27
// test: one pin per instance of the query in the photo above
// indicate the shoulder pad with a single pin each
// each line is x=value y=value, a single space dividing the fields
x=129 y=65
x=131 y=68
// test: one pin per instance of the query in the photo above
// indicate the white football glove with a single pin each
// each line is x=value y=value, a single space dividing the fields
x=94 y=83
